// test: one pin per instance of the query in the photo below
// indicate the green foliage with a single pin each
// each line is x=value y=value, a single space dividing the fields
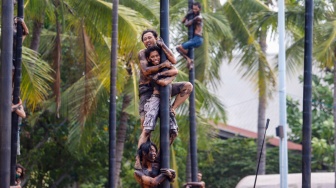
x=72 y=149
x=235 y=158
x=322 y=122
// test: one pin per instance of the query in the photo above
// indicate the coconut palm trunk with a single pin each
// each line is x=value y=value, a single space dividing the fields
x=262 y=107
x=121 y=137
x=113 y=93
x=57 y=61
x=36 y=35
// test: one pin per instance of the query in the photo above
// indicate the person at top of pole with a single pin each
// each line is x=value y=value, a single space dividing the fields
x=147 y=71
x=152 y=105
x=193 y=18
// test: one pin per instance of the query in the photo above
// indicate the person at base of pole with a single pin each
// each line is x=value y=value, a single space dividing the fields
x=197 y=39
x=200 y=183
x=19 y=176
x=150 y=175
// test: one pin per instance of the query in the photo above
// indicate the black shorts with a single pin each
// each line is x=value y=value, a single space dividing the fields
x=176 y=88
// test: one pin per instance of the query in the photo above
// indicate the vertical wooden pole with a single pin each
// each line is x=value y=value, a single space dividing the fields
x=6 y=90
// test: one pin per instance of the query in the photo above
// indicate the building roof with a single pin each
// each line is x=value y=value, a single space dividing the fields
x=228 y=131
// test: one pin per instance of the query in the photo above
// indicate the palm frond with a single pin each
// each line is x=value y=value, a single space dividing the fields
x=325 y=49
x=35 y=78
x=294 y=56
x=251 y=59
x=149 y=9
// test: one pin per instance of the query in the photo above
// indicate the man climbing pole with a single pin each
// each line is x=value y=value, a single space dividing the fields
x=182 y=90
x=193 y=18
x=150 y=175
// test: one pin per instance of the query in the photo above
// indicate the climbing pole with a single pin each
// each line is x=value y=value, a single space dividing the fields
x=164 y=94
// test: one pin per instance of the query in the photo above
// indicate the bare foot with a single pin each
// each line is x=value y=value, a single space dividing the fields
x=179 y=51
x=172 y=111
x=190 y=64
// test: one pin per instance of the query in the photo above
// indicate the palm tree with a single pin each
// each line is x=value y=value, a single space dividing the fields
x=324 y=49
x=88 y=29
x=252 y=47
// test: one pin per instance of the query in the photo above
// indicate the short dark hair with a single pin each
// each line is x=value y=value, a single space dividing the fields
x=145 y=147
x=147 y=31
x=151 y=49
x=197 y=4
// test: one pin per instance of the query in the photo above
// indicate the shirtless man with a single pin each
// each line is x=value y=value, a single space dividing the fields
x=197 y=39
x=150 y=175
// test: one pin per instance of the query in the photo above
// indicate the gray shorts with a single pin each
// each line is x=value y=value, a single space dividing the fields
x=152 y=108
x=145 y=92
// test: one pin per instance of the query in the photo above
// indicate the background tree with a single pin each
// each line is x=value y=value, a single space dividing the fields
x=322 y=122
x=231 y=160
x=250 y=43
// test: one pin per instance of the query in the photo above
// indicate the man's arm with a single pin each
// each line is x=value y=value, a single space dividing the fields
x=24 y=27
x=165 y=81
x=165 y=77
x=194 y=20
x=187 y=15
x=148 y=70
x=200 y=184
x=167 y=51
x=172 y=71
x=147 y=180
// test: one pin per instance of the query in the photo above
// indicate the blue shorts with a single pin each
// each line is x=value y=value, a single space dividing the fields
x=195 y=42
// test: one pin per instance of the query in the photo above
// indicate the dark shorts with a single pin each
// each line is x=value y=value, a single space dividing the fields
x=195 y=42
x=176 y=88
x=145 y=92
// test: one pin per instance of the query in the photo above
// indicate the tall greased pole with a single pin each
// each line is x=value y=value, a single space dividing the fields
x=192 y=111
x=6 y=90
x=307 y=95
x=113 y=93
x=164 y=94
x=16 y=91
